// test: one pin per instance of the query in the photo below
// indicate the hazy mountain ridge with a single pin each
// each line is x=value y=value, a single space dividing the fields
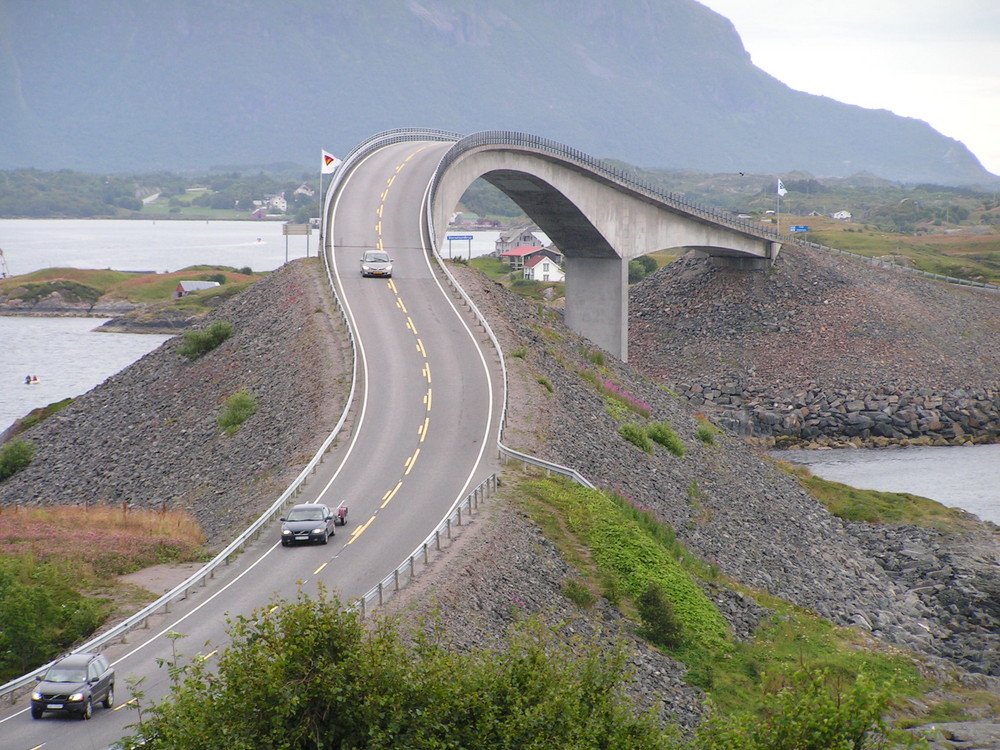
x=131 y=84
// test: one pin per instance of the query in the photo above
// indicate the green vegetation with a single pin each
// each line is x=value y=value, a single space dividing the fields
x=637 y=435
x=797 y=677
x=706 y=431
x=872 y=506
x=58 y=567
x=200 y=342
x=36 y=416
x=14 y=456
x=41 y=613
x=663 y=434
x=237 y=409
x=71 y=291
x=640 y=268
x=307 y=674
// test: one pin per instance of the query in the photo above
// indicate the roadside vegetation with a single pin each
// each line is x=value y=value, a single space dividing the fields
x=799 y=683
x=58 y=571
x=153 y=289
x=201 y=341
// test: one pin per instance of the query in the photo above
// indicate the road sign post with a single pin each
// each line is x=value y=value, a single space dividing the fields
x=459 y=238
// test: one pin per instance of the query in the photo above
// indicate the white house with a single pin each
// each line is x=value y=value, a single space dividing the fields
x=543 y=268
x=523 y=236
x=842 y=215
x=184 y=288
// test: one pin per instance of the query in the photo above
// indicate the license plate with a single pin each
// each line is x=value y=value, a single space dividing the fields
x=55 y=705
x=301 y=537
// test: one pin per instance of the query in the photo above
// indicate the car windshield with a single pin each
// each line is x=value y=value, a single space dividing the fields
x=306 y=514
x=66 y=674
x=377 y=257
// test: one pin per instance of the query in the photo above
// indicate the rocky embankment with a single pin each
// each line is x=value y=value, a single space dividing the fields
x=148 y=436
x=823 y=349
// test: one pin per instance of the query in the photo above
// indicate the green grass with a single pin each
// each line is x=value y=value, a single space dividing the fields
x=618 y=548
x=872 y=506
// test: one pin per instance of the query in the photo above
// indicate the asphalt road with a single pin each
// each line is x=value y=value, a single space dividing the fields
x=424 y=433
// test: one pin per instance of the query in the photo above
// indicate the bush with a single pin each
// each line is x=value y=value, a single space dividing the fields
x=577 y=593
x=637 y=436
x=197 y=343
x=15 y=456
x=660 y=624
x=705 y=432
x=664 y=434
x=238 y=409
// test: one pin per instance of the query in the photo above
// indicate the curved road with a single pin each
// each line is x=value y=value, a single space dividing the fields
x=425 y=433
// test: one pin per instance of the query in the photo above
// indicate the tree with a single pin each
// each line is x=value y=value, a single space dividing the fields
x=309 y=674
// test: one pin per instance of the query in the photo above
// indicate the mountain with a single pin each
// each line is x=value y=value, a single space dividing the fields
x=138 y=85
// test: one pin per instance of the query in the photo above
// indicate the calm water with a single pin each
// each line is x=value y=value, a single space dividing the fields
x=966 y=477
x=66 y=356
x=69 y=359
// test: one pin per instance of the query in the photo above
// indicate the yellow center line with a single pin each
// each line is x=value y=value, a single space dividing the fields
x=384 y=194
x=420 y=348
x=380 y=207
x=358 y=531
x=378 y=229
x=393 y=288
x=423 y=430
x=409 y=324
x=391 y=180
x=400 y=167
x=378 y=244
x=427 y=371
x=390 y=495
x=316 y=572
x=410 y=461
x=126 y=704
x=427 y=399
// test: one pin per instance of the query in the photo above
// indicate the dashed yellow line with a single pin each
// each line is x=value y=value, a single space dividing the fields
x=358 y=531
x=390 y=495
x=427 y=399
x=420 y=348
x=391 y=180
x=410 y=325
x=423 y=430
x=316 y=572
x=378 y=229
x=410 y=462
x=427 y=371
x=392 y=286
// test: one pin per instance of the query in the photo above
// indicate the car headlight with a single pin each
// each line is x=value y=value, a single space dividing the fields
x=318 y=530
x=76 y=697
x=366 y=268
x=36 y=696
x=285 y=532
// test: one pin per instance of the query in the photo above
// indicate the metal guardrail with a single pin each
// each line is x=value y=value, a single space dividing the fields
x=201 y=577
x=620 y=177
x=896 y=267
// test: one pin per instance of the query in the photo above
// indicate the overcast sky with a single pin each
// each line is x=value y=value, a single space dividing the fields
x=935 y=60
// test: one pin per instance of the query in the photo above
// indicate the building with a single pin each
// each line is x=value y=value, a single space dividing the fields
x=525 y=235
x=842 y=215
x=540 y=267
x=184 y=288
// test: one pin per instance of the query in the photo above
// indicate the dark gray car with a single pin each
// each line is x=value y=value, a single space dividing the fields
x=308 y=522
x=73 y=685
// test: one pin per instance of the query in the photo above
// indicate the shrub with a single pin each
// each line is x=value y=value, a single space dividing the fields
x=545 y=383
x=660 y=624
x=705 y=432
x=636 y=435
x=577 y=593
x=15 y=456
x=237 y=409
x=197 y=343
x=664 y=434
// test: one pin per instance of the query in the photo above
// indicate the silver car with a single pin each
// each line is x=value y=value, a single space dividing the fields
x=376 y=263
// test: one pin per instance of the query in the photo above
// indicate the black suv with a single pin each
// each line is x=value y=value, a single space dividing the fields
x=73 y=684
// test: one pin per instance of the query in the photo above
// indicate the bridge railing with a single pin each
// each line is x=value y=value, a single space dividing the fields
x=606 y=170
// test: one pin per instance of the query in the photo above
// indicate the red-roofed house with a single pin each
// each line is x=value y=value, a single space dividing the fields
x=542 y=268
x=518 y=255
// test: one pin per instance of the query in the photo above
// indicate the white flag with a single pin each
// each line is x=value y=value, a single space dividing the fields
x=330 y=163
x=781 y=189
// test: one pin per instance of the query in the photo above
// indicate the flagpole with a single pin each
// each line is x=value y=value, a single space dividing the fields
x=321 y=217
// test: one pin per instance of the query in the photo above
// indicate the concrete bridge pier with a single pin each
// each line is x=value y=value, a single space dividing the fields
x=597 y=301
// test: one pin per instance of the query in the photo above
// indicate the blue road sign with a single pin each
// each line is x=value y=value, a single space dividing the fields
x=458 y=237
x=798 y=228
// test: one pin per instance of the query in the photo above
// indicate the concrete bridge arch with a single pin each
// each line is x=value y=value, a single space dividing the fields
x=599 y=218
